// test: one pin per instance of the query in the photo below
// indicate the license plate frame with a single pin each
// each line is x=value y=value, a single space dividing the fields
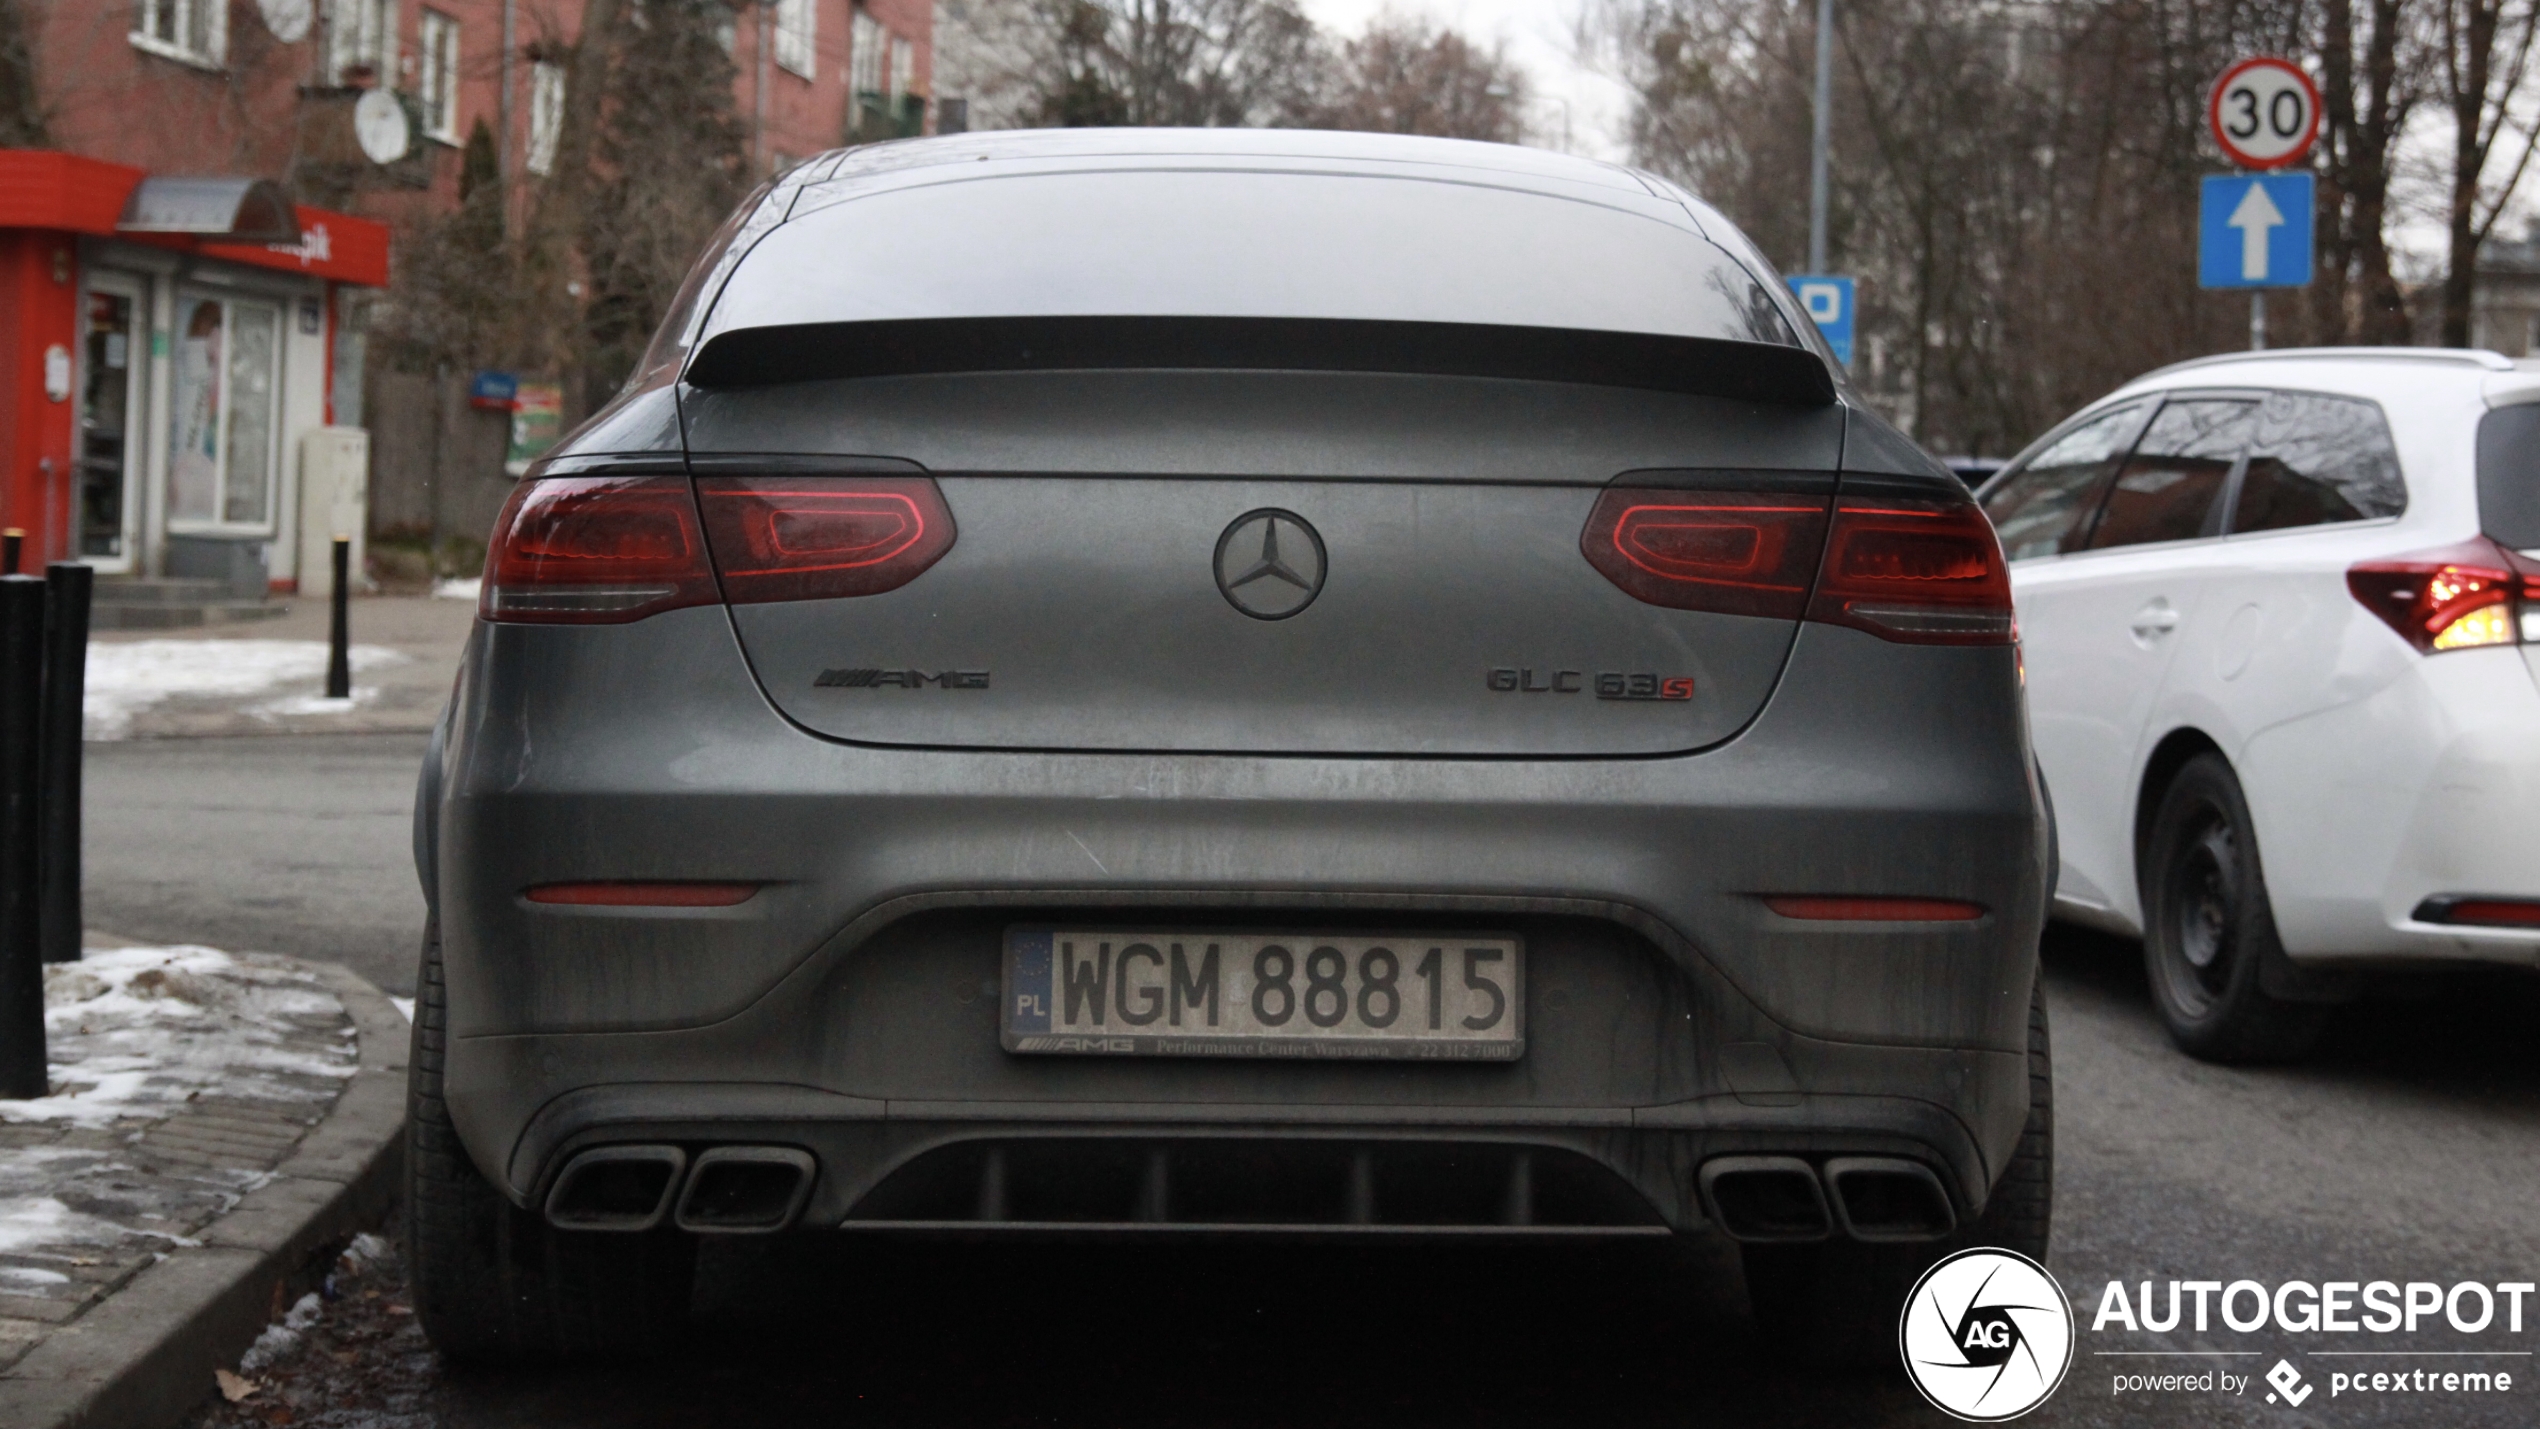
x=1036 y=1017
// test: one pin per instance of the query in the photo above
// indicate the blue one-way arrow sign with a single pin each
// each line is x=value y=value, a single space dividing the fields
x=2254 y=231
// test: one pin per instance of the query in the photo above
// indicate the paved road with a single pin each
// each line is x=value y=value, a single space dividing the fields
x=294 y=844
x=2409 y=1150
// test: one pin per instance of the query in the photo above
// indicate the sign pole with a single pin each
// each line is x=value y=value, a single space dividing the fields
x=1819 y=200
x=2258 y=320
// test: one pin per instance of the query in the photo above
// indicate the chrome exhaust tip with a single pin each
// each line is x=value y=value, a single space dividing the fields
x=1765 y=1199
x=616 y=1188
x=1886 y=1198
x=746 y=1190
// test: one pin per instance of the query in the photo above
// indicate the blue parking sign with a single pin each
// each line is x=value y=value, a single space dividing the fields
x=2254 y=231
x=1828 y=300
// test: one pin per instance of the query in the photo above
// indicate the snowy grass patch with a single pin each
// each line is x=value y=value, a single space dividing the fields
x=135 y=1031
x=128 y=677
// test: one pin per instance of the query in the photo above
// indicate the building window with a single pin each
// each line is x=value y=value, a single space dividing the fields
x=546 y=114
x=227 y=410
x=361 y=41
x=866 y=44
x=903 y=70
x=196 y=31
x=797 y=25
x=437 y=82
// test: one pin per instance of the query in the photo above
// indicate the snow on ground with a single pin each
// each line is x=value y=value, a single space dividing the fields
x=134 y=1031
x=457 y=589
x=127 y=677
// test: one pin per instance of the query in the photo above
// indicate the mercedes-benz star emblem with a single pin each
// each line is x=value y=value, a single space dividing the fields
x=1270 y=564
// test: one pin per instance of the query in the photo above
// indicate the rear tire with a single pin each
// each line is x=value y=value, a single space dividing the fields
x=1838 y=1303
x=2209 y=930
x=496 y=1285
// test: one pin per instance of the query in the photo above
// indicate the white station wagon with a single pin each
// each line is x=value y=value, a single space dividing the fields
x=2281 y=613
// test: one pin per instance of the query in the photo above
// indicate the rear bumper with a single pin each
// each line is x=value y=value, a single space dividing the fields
x=839 y=1009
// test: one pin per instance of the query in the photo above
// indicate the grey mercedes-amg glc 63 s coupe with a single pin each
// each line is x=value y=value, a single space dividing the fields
x=1227 y=684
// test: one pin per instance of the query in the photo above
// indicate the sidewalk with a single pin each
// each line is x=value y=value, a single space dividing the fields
x=269 y=677
x=219 y=1125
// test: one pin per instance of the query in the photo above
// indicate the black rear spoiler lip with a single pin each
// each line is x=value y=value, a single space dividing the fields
x=1709 y=367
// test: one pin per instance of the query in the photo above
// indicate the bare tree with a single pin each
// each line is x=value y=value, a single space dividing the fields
x=2368 y=84
x=1409 y=77
x=22 y=117
x=2485 y=51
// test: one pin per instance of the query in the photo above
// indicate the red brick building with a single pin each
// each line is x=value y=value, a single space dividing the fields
x=200 y=376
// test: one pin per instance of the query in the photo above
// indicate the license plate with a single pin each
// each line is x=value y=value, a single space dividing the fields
x=1128 y=992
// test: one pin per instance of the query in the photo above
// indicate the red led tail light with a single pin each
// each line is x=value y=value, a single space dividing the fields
x=820 y=538
x=589 y=550
x=1922 y=572
x=1736 y=553
x=2453 y=598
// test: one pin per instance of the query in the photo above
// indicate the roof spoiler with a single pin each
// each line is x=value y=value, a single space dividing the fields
x=1709 y=367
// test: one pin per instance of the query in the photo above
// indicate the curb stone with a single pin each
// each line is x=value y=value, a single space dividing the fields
x=143 y=1358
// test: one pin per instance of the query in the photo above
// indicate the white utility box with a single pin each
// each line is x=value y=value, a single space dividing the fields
x=334 y=501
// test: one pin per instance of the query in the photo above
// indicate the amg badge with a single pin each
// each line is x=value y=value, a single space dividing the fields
x=900 y=680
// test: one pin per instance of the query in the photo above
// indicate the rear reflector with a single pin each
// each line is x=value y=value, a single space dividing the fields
x=820 y=538
x=643 y=895
x=2455 y=598
x=2480 y=912
x=1922 y=572
x=591 y=550
x=1824 y=909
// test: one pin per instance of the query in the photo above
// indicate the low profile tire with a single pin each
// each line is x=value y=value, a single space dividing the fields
x=2209 y=929
x=496 y=1285
x=1837 y=1303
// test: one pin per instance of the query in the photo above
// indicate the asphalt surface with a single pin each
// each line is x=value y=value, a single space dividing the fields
x=2408 y=1150
x=298 y=844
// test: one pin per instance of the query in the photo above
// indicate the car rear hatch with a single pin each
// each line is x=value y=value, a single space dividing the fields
x=1283 y=563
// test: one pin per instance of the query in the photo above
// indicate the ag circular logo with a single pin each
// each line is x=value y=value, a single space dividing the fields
x=1270 y=564
x=1987 y=1335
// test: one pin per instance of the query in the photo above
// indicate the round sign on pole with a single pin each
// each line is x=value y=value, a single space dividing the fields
x=379 y=122
x=2265 y=113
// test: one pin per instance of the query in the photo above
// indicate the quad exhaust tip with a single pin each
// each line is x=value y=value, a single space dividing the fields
x=1766 y=1198
x=616 y=1188
x=1783 y=1199
x=746 y=1190
x=728 y=1190
x=1887 y=1198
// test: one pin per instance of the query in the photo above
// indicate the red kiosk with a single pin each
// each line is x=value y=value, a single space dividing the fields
x=172 y=367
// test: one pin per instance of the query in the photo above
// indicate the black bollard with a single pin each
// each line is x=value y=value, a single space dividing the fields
x=66 y=591
x=339 y=631
x=23 y=1073
x=12 y=545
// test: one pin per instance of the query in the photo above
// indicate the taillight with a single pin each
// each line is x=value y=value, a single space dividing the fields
x=2456 y=598
x=1926 y=572
x=818 y=538
x=1732 y=552
x=589 y=550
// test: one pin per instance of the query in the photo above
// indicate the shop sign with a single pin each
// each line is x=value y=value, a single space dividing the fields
x=537 y=423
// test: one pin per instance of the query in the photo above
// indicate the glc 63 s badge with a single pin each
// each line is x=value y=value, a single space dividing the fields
x=1608 y=684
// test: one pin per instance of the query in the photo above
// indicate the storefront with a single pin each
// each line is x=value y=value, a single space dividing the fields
x=174 y=369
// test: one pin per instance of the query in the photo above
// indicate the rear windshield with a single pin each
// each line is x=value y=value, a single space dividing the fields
x=1251 y=244
x=2509 y=476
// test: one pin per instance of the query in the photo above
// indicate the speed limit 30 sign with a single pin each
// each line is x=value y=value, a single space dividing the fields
x=2265 y=113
